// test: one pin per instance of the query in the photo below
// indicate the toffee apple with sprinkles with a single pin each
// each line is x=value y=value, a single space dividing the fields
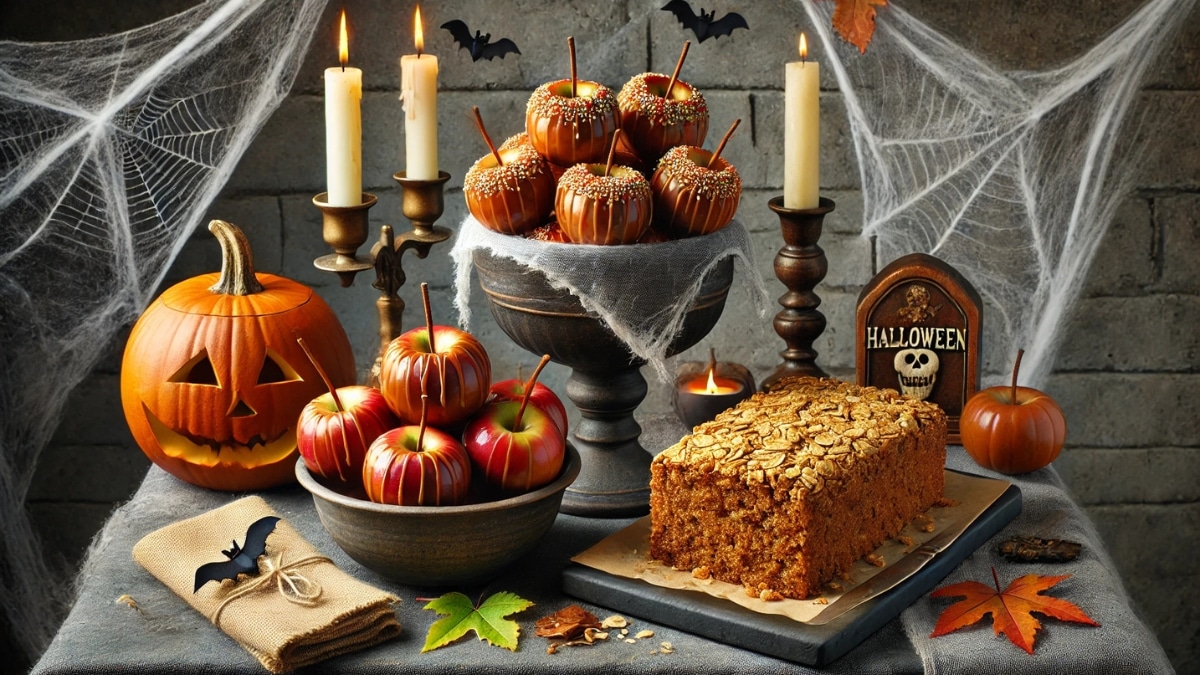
x=511 y=189
x=572 y=121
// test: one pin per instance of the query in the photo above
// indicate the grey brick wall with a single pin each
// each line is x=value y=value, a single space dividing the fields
x=1128 y=377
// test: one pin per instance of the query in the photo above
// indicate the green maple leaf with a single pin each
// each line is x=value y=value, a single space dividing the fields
x=487 y=620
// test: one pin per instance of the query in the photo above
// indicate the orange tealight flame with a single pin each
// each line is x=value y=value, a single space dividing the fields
x=712 y=384
x=418 y=31
x=343 y=42
x=803 y=47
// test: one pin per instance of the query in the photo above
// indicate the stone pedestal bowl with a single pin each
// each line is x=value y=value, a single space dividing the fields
x=605 y=384
x=439 y=545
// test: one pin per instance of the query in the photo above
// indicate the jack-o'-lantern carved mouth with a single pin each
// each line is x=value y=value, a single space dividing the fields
x=211 y=452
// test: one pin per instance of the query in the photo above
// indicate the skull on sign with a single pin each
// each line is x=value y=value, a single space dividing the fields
x=917 y=371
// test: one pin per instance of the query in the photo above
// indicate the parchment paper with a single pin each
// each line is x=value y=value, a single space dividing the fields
x=627 y=552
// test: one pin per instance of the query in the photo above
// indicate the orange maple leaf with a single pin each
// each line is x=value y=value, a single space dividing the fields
x=855 y=21
x=1011 y=609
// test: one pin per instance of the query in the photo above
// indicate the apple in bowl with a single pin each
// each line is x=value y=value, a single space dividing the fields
x=417 y=466
x=516 y=446
x=447 y=364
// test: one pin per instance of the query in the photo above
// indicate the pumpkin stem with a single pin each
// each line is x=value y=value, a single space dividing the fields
x=237 y=261
x=1016 y=368
x=337 y=402
x=529 y=391
x=428 y=316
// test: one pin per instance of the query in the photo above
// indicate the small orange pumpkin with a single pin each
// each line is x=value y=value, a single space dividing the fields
x=1012 y=429
x=213 y=379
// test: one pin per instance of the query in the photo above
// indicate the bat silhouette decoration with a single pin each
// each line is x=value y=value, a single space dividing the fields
x=242 y=559
x=703 y=25
x=480 y=45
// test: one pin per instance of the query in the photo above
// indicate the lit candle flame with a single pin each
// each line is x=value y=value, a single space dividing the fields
x=418 y=31
x=712 y=384
x=343 y=42
x=803 y=47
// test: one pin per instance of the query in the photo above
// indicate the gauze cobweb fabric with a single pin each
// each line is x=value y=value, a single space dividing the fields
x=1011 y=177
x=111 y=150
x=641 y=291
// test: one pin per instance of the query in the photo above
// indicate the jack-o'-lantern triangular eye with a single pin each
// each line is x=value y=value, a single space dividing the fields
x=276 y=369
x=198 y=370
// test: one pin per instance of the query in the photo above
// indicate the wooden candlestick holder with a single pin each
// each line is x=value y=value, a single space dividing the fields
x=800 y=265
x=345 y=230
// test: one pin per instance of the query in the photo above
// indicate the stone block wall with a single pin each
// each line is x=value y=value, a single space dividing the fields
x=1128 y=376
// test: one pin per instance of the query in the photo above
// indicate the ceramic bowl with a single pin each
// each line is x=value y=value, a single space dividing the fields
x=439 y=545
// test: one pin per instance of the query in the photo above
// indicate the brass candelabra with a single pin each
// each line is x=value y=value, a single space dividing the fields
x=345 y=230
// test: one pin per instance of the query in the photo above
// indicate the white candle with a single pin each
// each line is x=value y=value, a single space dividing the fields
x=343 y=129
x=802 y=132
x=418 y=91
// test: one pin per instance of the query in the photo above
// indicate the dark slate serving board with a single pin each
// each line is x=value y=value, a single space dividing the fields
x=775 y=635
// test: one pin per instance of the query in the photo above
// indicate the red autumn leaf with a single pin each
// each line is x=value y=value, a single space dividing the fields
x=1011 y=609
x=855 y=21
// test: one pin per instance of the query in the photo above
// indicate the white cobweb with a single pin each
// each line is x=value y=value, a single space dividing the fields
x=111 y=150
x=1011 y=177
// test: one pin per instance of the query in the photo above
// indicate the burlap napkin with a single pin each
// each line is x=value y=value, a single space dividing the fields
x=299 y=610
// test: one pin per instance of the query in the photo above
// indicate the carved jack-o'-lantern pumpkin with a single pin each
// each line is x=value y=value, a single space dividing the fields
x=213 y=380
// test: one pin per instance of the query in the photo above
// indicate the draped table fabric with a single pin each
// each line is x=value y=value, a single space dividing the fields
x=103 y=635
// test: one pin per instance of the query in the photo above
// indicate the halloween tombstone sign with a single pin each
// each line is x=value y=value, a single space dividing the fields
x=917 y=331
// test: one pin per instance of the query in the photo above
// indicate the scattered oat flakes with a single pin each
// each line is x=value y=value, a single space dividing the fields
x=667 y=648
x=624 y=632
x=630 y=641
x=643 y=634
x=768 y=595
x=614 y=621
x=821 y=601
x=876 y=560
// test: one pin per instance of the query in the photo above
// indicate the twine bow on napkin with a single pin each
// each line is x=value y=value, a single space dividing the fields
x=293 y=586
x=317 y=611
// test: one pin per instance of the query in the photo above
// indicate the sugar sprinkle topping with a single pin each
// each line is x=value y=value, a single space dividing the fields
x=489 y=180
x=710 y=183
x=579 y=109
x=581 y=180
x=636 y=95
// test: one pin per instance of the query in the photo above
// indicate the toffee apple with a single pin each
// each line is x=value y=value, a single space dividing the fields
x=572 y=121
x=696 y=192
x=417 y=465
x=337 y=427
x=660 y=112
x=1012 y=429
x=511 y=189
x=447 y=364
x=542 y=397
x=514 y=446
x=603 y=204
x=549 y=232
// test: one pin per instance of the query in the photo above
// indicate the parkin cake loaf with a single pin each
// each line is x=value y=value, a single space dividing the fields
x=785 y=491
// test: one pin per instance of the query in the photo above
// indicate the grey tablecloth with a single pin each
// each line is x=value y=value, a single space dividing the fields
x=103 y=636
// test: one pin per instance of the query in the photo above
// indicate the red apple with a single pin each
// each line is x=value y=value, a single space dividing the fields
x=516 y=446
x=336 y=428
x=515 y=456
x=1012 y=429
x=417 y=466
x=333 y=434
x=542 y=397
x=448 y=364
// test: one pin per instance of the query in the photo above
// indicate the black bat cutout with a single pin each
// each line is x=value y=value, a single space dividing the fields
x=703 y=25
x=480 y=44
x=242 y=559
